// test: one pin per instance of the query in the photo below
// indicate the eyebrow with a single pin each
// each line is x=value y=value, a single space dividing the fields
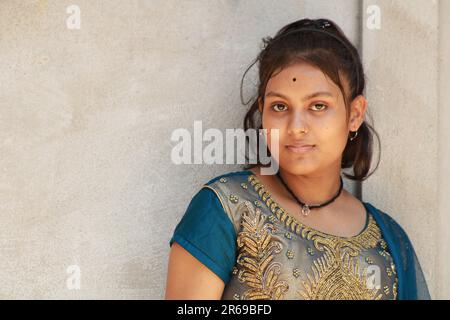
x=310 y=96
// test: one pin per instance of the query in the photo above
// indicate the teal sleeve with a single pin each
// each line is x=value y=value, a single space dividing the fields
x=207 y=233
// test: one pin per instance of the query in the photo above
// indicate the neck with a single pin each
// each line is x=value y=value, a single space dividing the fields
x=313 y=190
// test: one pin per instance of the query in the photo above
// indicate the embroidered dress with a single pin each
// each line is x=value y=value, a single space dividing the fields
x=235 y=228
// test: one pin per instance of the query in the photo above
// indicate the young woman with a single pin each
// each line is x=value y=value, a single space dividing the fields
x=297 y=234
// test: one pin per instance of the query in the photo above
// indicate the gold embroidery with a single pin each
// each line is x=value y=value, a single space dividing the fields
x=386 y=290
x=394 y=288
x=257 y=249
x=337 y=273
x=366 y=239
x=393 y=267
x=336 y=279
x=388 y=271
x=290 y=254
x=233 y=198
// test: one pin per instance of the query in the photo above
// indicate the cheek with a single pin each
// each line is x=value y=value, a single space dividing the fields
x=270 y=124
x=275 y=135
x=276 y=129
x=333 y=138
x=268 y=121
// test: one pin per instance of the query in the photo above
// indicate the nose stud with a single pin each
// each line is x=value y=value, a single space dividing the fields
x=301 y=131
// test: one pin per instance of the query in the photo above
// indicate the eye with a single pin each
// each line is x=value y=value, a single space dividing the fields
x=323 y=106
x=275 y=107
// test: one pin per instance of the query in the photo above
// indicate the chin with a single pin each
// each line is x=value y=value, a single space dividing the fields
x=298 y=167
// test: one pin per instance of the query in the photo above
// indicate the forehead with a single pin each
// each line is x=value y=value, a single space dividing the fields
x=307 y=78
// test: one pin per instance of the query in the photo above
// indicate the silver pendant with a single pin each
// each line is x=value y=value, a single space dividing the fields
x=305 y=210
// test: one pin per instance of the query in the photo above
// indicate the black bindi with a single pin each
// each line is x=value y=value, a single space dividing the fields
x=294 y=79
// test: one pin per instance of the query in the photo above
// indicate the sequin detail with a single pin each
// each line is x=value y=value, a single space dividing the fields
x=256 y=255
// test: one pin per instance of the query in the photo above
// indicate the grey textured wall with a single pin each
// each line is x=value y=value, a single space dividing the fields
x=405 y=81
x=86 y=117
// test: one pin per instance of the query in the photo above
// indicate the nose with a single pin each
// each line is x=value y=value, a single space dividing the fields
x=297 y=122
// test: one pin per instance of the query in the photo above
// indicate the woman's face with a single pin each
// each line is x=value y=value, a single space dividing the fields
x=312 y=103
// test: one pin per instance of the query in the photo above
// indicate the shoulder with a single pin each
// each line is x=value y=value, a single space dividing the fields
x=382 y=216
x=232 y=190
x=220 y=185
x=229 y=185
x=413 y=285
x=212 y=205
x=388 y=225
x=229 y=176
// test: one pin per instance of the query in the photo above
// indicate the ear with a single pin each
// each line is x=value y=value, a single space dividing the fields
x=260 y=105
x=357 y=112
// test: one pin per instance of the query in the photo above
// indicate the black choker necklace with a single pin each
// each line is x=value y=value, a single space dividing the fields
x=306 y=208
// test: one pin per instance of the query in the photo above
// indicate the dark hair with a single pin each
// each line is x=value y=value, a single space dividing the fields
x=323 y=44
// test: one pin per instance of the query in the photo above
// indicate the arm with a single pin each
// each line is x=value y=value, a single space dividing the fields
x=203 y=250
x=189 y=279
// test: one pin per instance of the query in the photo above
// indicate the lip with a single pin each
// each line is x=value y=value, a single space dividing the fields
x=300 y=148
